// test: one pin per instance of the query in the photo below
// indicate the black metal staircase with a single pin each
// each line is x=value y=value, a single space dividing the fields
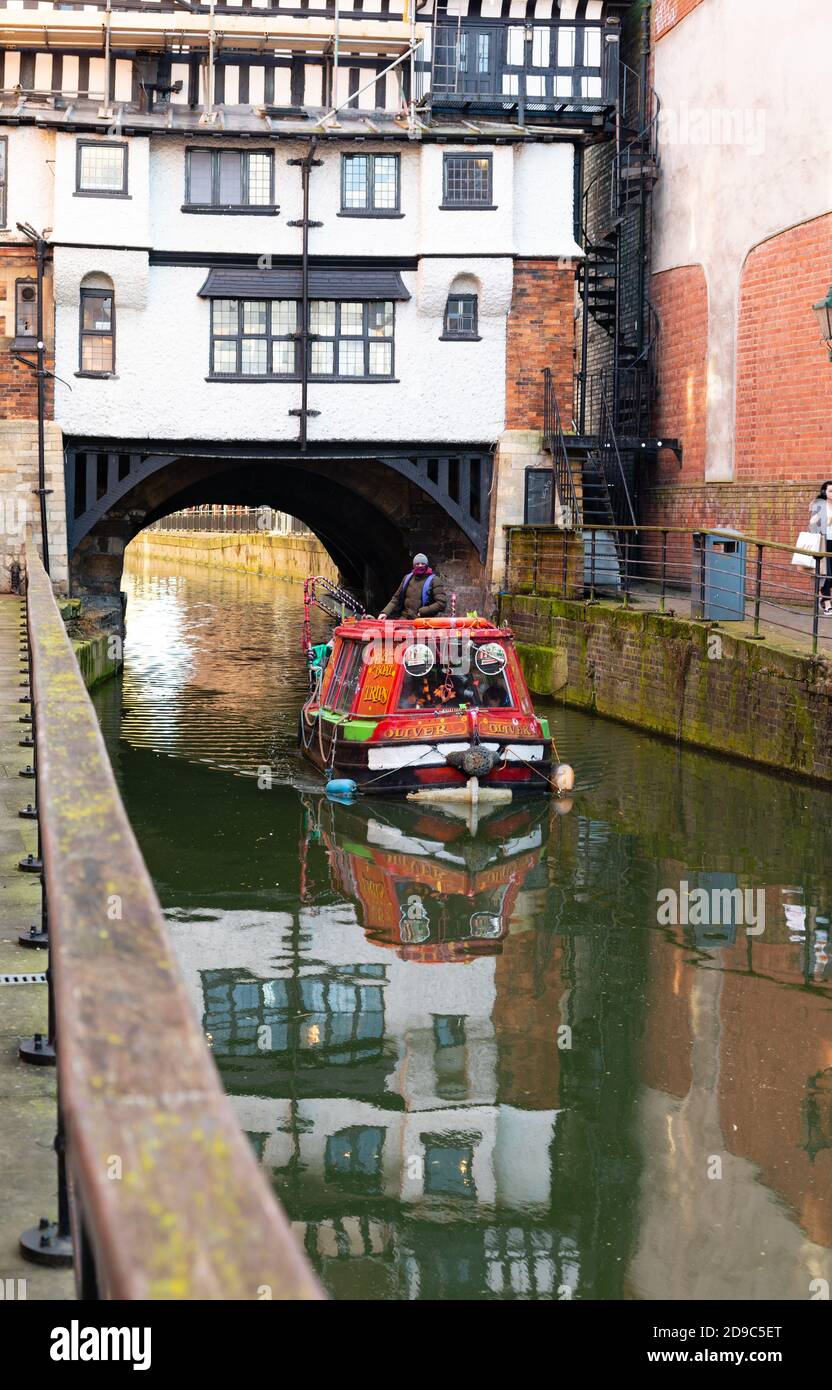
x=615 y=223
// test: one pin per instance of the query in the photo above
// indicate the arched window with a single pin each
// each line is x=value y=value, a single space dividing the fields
x=462 y=309
x=97 y=354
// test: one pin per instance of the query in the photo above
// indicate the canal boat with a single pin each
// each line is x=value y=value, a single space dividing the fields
x=428 y=708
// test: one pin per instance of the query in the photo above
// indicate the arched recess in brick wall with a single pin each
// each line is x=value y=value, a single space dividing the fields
x=783 y=375
x=680 y=297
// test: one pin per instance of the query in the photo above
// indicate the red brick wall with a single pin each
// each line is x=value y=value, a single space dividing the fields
x=18 y=384
x=19 y=389
x=784 y=378
x=681 y=300
x=541 y=333
x=668 y=13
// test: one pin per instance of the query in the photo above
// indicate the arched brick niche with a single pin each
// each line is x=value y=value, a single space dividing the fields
x=784 y=377
x=680 y=297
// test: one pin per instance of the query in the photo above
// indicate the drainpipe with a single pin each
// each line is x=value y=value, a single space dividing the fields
x=209 y=115
x=40 y=251
x=646 y=116
x=306 y=165
x=107 y=110
x=42 y=491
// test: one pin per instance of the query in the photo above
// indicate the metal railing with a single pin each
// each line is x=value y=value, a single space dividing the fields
x=554 y=440
x=160 y=1193
x=232 y=521
x=540 y=65
x=706 y=574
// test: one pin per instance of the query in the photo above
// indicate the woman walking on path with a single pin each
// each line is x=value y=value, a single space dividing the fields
x=820 y=522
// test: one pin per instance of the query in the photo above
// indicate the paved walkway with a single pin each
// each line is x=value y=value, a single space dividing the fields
x=787 y=628
x=28 y=1180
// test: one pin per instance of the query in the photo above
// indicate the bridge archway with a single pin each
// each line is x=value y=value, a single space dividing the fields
x=370 y=509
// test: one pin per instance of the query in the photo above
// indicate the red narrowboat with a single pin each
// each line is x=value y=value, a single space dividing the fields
x=425 y=708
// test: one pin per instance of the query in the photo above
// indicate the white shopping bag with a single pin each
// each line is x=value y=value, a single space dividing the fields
x=807 y=540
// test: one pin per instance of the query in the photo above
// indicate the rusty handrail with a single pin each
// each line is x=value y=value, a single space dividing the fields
x=675 y=531
x=167 y=1195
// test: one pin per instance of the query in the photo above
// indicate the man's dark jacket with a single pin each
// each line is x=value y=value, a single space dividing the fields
x=409 y=604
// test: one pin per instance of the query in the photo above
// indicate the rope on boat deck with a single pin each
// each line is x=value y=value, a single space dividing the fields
x=431 y=748
x=549 y=783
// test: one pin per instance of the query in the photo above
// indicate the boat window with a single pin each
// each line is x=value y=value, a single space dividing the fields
x=453 y=684
x=441 y=690
x=492 y=692
x=346 y=679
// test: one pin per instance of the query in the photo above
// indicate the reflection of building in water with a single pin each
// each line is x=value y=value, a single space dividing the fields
x=411 y=1162
x=737 y=1067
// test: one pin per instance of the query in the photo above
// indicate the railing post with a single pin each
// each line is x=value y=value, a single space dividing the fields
x=664 y=572
x=816 y=607
x=50 y=1242
x=592 y=565
x=535 y=557
x=565 y=566
x=758 y=586
x=626 y=569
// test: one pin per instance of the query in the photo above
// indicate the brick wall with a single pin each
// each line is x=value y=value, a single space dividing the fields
x=541 y=333
x=773 y=511
x=18 y=384
x=668 y=13
x=681 y=300
x=784 y=378
x=757 y=702
x=19 y=389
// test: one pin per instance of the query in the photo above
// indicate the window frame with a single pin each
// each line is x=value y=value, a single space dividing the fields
x=269 y=209
x=370 y=210
x=25 y=339
x=447 y=335
x=365 y=337
x=90 y=292
x=270 y=337
x=4 y=179
x=80 y=146
x=463 y=206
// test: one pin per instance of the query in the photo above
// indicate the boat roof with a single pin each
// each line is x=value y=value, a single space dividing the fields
x=364 y=629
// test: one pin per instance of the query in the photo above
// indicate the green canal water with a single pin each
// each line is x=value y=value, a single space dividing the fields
x=493 y=1065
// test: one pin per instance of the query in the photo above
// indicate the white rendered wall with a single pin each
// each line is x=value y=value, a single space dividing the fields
x=746 y=153
x=445 y=391
x=30 y=181
x=111 y=221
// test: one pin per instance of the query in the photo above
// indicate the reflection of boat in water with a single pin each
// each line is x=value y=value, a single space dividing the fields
x=425 y=707
x=422 y=883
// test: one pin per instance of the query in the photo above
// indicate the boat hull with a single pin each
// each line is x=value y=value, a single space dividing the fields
x=421 y=766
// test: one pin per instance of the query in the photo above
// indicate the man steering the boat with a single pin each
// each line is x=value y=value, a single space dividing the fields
x=421 y=593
